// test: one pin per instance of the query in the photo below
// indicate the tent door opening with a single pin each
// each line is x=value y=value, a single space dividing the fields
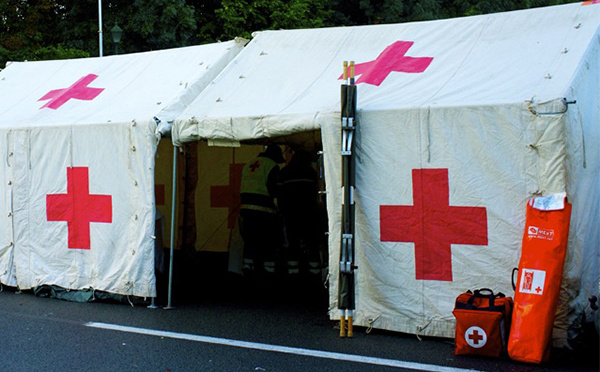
x=209 y=252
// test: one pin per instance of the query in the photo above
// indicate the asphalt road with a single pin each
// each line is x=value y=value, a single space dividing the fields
x=232 y=328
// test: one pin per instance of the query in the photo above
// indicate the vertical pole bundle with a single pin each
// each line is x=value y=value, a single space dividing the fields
x=346 y=302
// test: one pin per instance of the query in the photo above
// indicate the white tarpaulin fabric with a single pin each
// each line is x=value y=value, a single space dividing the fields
x=85 y=215
x=460 y=122
x=78 y=144
x=113 y=89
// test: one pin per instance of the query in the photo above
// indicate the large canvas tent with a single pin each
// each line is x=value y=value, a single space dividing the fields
x=77 y=142
x=468 y=117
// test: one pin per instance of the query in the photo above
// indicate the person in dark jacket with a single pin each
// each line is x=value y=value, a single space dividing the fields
x=259 y=220
x=298 y=204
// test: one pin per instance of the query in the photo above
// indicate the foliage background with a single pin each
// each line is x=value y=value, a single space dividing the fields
x=57 y=29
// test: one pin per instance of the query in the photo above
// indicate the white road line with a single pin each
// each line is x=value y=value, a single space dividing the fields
x=278 y=349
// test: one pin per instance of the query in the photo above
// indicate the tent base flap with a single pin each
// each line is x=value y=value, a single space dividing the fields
x=436 y=327
x=86 y=295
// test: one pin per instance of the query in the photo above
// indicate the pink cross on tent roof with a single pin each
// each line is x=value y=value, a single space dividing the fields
x=79 y=90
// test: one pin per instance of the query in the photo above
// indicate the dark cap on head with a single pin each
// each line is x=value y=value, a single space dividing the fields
x=274 y=152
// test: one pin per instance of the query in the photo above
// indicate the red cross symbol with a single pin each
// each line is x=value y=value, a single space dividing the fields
x=79 y=90
x=432 y=224
x=538 y=289
x=228 y=196
x=393 y=58
x=254 y=166
x=78 y=207
x=475 y=337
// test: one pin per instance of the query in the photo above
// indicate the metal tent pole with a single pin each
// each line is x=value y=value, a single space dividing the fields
x=173 y=203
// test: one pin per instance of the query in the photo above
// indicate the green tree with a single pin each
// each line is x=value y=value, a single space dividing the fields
x=204 y=12
x=158 y=24
x=147 y=25
x=27 y=24
x=364 y=12
x=28 y=30
x=242 y=17
x=78 y=25
x=426 y=9
x=458 y=8
x=382 y=11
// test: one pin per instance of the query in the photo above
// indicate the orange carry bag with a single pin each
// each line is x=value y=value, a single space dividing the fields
x=482 y=322
x=538 y=283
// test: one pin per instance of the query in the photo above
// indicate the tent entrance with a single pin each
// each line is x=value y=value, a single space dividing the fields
x=209 y=248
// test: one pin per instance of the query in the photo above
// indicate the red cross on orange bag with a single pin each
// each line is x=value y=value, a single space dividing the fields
x=482 y=322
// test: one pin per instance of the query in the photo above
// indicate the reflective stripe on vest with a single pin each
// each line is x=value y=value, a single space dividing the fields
x=258 y=208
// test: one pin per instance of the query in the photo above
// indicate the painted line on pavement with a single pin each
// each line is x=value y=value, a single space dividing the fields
x=278 y=349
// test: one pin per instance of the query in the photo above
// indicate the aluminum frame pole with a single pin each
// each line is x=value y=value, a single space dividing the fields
x=172 y=240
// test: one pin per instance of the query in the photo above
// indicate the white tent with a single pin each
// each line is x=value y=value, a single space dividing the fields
x=473 y=115
x=77 y=146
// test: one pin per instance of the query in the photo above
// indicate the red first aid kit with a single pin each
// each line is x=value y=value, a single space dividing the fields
x=482 y=322
x=538 y=282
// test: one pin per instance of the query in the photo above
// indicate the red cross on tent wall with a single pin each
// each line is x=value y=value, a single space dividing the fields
x=79 y=90
x=432 y=224
x=392 y=59
x=228 y=196
x=78 y=208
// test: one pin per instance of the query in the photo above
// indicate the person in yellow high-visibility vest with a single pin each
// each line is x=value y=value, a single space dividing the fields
x=260 y=224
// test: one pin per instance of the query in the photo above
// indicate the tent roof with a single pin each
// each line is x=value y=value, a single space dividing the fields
x=128 y=87
x=284 y=80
